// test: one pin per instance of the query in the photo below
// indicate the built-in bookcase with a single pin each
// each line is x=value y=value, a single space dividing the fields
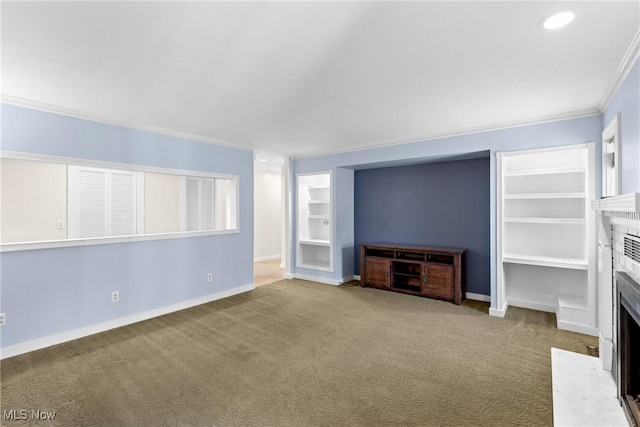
x=315 y=249
x=545 y=234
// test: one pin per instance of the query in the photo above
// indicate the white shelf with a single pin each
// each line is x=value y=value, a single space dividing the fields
x=578 y=221
x=571 y=302
x=314 y=224
x=548 y=171
x=316 y=265
x=545 y=196
x=572 y=310
x=570 y=263
x=315 y=242
x=319 y=216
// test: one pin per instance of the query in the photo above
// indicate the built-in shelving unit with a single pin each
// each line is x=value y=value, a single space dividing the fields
x=545 y=234
x=314 y=225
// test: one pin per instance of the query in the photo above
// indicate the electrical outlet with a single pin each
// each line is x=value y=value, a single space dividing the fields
x=3 y=319
x=115 y=296
x=210 y=277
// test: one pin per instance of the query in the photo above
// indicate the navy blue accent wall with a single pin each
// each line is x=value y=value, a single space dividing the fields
x=434 y=204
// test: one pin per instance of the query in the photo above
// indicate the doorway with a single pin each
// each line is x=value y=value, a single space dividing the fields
x=268 y=190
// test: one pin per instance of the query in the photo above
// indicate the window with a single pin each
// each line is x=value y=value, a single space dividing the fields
x=48 y=201
x=611 y=158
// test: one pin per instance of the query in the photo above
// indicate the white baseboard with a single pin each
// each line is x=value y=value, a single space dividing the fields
x=531 y=305
x=318 y=279
x=606 y=352
x=266 y=258
x=581 y=329
x=497 y=312
x=321 y=279
x=350 y=278
x=478 y=297
x=39 y=343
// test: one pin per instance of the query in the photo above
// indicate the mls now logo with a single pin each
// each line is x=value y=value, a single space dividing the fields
x=23 y=414
x=15 y=414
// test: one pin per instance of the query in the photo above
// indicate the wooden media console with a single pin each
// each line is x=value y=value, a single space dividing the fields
x=417 y=270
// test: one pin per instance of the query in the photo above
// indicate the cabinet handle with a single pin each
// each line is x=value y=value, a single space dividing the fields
x=424 y=279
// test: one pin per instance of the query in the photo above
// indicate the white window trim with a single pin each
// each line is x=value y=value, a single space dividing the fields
x=611 y=133
x=71 y=161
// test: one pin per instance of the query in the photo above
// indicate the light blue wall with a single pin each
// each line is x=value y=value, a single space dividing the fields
x=50 y=291
x=627 y=102
x=344 y=221
x=566 y=132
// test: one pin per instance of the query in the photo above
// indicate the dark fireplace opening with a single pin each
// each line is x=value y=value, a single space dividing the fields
x=629 y=346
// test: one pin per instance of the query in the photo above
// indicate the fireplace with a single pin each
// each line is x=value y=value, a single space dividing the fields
x=628 y=338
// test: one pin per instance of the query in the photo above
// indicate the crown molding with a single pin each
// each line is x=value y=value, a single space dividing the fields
x=36 y=105
x=56 y=109
x=469 y=131
x=624 y=68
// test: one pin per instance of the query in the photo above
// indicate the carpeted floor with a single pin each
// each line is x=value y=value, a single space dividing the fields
x=297 y=353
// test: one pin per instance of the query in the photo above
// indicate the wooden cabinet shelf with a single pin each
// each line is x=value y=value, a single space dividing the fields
x=416 y=270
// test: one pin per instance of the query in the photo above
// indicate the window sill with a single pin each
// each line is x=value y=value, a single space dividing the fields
x=51 y=244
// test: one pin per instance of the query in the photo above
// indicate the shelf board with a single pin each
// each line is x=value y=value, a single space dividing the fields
x=319 y=201
x=324 y=265
x=318 y=187
x=548 y=171
x=319 y=217
x=547 y=220
x=570 y=263
x=546 y=196
x=314 y=242
x=416 y=276
x=572 y=302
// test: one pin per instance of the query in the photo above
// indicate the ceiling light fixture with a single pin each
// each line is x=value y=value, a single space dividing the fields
x=558 y=20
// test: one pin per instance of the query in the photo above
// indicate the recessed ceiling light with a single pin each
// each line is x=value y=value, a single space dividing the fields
x=558 y=20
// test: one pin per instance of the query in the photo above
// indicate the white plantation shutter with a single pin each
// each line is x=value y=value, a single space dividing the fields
x=91 y=208
x=123 y=203
x=207 y=205
x=102 y=202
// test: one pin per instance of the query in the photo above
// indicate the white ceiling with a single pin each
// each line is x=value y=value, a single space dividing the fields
x=315 y=77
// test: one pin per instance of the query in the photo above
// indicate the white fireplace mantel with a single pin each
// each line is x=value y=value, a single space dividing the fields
x=624 y=203
x=616 y=211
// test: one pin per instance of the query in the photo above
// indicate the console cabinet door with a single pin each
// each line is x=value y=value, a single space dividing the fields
x=437 y=280
x=377 y=272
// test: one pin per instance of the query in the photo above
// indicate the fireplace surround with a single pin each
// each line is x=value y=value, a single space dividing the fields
x=628 y=343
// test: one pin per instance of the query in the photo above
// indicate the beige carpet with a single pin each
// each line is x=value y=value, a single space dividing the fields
x=296 y=353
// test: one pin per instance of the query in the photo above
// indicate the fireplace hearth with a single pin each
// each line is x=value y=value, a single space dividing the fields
x=628 y=303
